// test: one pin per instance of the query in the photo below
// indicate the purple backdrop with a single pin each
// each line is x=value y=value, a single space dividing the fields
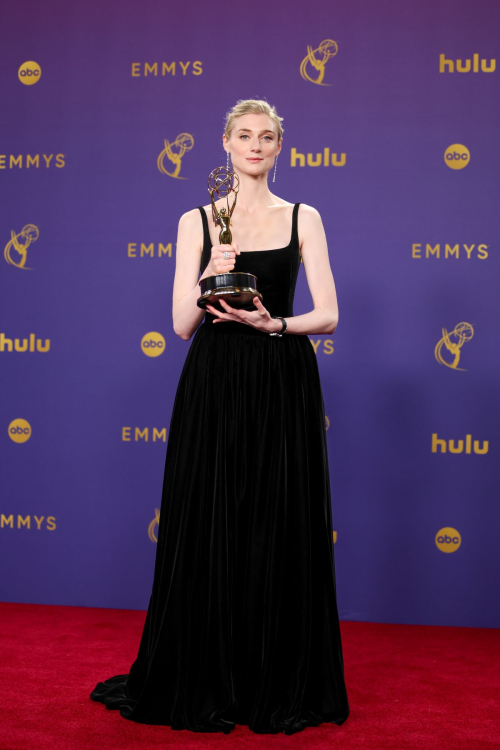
x=85 y=184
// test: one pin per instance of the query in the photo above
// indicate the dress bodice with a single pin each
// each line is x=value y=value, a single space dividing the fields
x=276 y=270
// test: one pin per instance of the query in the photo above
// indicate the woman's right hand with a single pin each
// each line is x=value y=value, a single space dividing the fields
x=217 y=262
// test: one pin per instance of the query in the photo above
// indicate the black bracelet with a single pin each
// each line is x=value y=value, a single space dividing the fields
x=283 y=329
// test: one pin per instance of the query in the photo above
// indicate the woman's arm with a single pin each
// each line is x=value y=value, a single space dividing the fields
x=325 y=316
x=186 y=314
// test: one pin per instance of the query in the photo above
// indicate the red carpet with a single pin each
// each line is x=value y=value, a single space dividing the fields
x=409 y=687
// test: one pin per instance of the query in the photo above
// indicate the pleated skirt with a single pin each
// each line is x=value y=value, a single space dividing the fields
x=242 y=625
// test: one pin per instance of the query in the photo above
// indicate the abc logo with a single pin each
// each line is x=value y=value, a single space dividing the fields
x=457 y=156
x=448 y=539
x=29 y=73
x=153 y=344
x=19 y=430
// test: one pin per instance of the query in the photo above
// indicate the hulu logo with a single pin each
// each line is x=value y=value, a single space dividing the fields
x=31 y=344
x=466 y=66
x=321 y=159
x=457 y=446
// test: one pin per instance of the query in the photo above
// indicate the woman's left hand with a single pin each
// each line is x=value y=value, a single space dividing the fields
x=259 y=318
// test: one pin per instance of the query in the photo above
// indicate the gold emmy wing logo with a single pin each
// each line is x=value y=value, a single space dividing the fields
x=317 y=59
x=19 y=430
x=448 y=539
x=457 y=156
x=29 y=73
x=20 y=243
x=453 y=342
x=153 y=344
x=152 y=526
x=174 y=153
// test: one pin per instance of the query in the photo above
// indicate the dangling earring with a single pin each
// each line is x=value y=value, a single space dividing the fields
x=275 y=165
x=227 y=160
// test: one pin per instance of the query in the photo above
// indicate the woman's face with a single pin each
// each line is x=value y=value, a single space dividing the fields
x=253 y=144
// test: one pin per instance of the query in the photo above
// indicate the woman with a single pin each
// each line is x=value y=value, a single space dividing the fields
x=242 y=625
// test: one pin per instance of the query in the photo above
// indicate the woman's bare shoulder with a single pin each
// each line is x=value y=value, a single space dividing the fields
x=190 y=219
x=309 y=211
x=310 y=224
x=190 y=229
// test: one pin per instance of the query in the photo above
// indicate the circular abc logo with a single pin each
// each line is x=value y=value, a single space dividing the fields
x=457 y=156
x=29 y=73
x=448 y=539
x=153 y=344
x=19 y=430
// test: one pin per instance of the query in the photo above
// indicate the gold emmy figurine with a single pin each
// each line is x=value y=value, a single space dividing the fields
x=237 y=288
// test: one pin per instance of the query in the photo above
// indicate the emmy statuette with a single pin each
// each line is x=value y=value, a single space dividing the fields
x=237 y=288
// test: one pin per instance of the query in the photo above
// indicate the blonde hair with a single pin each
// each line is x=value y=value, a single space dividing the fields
x=255 y=107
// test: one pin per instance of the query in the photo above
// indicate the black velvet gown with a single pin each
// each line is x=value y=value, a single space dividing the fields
x=242 y=625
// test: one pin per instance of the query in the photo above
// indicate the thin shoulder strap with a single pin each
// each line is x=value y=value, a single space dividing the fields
x=295 y=234
x=207 y=242
x=206 y=233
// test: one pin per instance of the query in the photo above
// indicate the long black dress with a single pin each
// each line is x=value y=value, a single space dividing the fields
x=242 y=625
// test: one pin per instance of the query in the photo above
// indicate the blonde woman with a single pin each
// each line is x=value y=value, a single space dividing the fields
x=242 y=625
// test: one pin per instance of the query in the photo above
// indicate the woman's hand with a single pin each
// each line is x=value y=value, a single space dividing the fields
x=217 y=262
x=259 y=318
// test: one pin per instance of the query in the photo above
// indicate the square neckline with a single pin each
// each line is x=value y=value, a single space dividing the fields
x=269 y=250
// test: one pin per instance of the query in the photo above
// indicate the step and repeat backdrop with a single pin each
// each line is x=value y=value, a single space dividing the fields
x=112 y=120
